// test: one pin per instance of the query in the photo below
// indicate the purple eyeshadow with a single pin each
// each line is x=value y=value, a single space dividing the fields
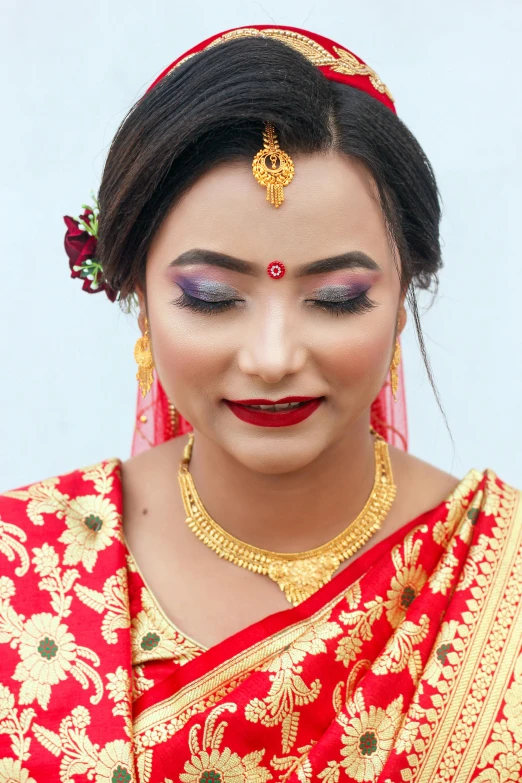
x=340 y=293
x=208 y=290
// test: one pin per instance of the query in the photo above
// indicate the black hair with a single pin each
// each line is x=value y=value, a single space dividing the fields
x=212 y=109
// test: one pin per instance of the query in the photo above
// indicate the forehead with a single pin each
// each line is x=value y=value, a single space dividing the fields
x=330 y=206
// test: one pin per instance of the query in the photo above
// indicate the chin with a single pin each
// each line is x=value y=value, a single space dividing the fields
x=274 y=453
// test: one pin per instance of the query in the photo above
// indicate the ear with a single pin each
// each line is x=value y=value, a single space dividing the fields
x=143 y=308
x=402 y=315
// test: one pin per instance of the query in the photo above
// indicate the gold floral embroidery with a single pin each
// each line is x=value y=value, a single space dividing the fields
x=42 y=498
x=79 y=754
x=47 y=643
x=209 y=764
x=367 y=739
x=46 y=564
x=499 y=500
x=11 y=771
x=360 y=623
x=144 y=766
x=456 y=504
x=81 y=757
x=409 y=578
x=112 y=603
x=15 y=725
x=12 y=539
x=442 y=577
x=438 y=673
x=11 y=623
x=102 y=475
x=444 y=656
x=476 y=566
x=154 y=638
x=48 y=651
x=399 y=652
x=288 y=690
x=140 y=683
x=119 y=690
x=92 y=521
x=298 y=765
x=115 y=763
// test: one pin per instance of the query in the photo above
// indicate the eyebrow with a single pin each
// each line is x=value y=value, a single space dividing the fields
x=350 y=260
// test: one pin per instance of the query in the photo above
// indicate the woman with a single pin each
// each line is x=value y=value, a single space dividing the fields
x=160 y=630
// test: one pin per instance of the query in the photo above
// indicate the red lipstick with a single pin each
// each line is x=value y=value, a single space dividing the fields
x=262 y=417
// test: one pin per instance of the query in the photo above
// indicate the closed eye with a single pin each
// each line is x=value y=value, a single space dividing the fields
x=338 y=306
x=204 y=305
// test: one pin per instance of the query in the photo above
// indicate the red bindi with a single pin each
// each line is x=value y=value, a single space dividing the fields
x=276 y=269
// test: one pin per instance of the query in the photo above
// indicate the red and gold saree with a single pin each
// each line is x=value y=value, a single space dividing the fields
x=407 y=666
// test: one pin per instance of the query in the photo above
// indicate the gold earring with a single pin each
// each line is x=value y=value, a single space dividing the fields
x=394 y=375
x=143 y=356
x=174 y=418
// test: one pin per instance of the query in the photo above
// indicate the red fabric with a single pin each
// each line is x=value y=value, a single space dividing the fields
x=65 y=646
x=360 y=82
x=356 y=684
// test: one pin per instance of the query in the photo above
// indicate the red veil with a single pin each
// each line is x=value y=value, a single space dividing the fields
x=155 y=421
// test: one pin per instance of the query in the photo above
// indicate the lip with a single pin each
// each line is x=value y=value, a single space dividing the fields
x=274 y=418
x=259 y=401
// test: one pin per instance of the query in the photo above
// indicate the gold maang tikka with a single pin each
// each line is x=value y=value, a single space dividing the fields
x=280 y=171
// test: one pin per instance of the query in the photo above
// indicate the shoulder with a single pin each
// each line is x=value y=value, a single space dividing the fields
x=70 y=478
x=82 y=503
x=420 y=485
x=100 y=476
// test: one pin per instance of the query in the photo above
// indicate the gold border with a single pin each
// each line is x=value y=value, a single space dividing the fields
x=430 y=772
x=229 y=673
x=345 y=62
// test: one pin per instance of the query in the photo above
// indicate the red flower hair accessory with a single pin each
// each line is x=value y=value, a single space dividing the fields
x=81 y=240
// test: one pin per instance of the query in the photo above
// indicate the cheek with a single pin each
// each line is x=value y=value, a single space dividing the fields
x=358 y=357
x=190 y=355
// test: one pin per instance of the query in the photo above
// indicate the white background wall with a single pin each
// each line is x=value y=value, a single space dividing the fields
x=69 y=73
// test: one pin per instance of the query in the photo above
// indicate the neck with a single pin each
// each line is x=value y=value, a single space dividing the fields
x=294 y=511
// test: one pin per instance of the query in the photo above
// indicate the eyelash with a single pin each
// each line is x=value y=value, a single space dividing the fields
x=359 y=304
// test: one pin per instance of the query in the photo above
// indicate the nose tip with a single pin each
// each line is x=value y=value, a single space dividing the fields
x=272 y=345
x=272 y=364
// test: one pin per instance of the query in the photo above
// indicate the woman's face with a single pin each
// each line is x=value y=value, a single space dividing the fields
x=223 y=330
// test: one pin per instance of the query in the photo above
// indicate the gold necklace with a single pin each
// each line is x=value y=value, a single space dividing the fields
x=298 y=574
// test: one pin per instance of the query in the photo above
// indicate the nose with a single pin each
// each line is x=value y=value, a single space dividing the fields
x=271 y=348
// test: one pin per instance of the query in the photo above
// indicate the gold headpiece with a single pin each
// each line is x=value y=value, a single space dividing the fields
x=281 y=171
